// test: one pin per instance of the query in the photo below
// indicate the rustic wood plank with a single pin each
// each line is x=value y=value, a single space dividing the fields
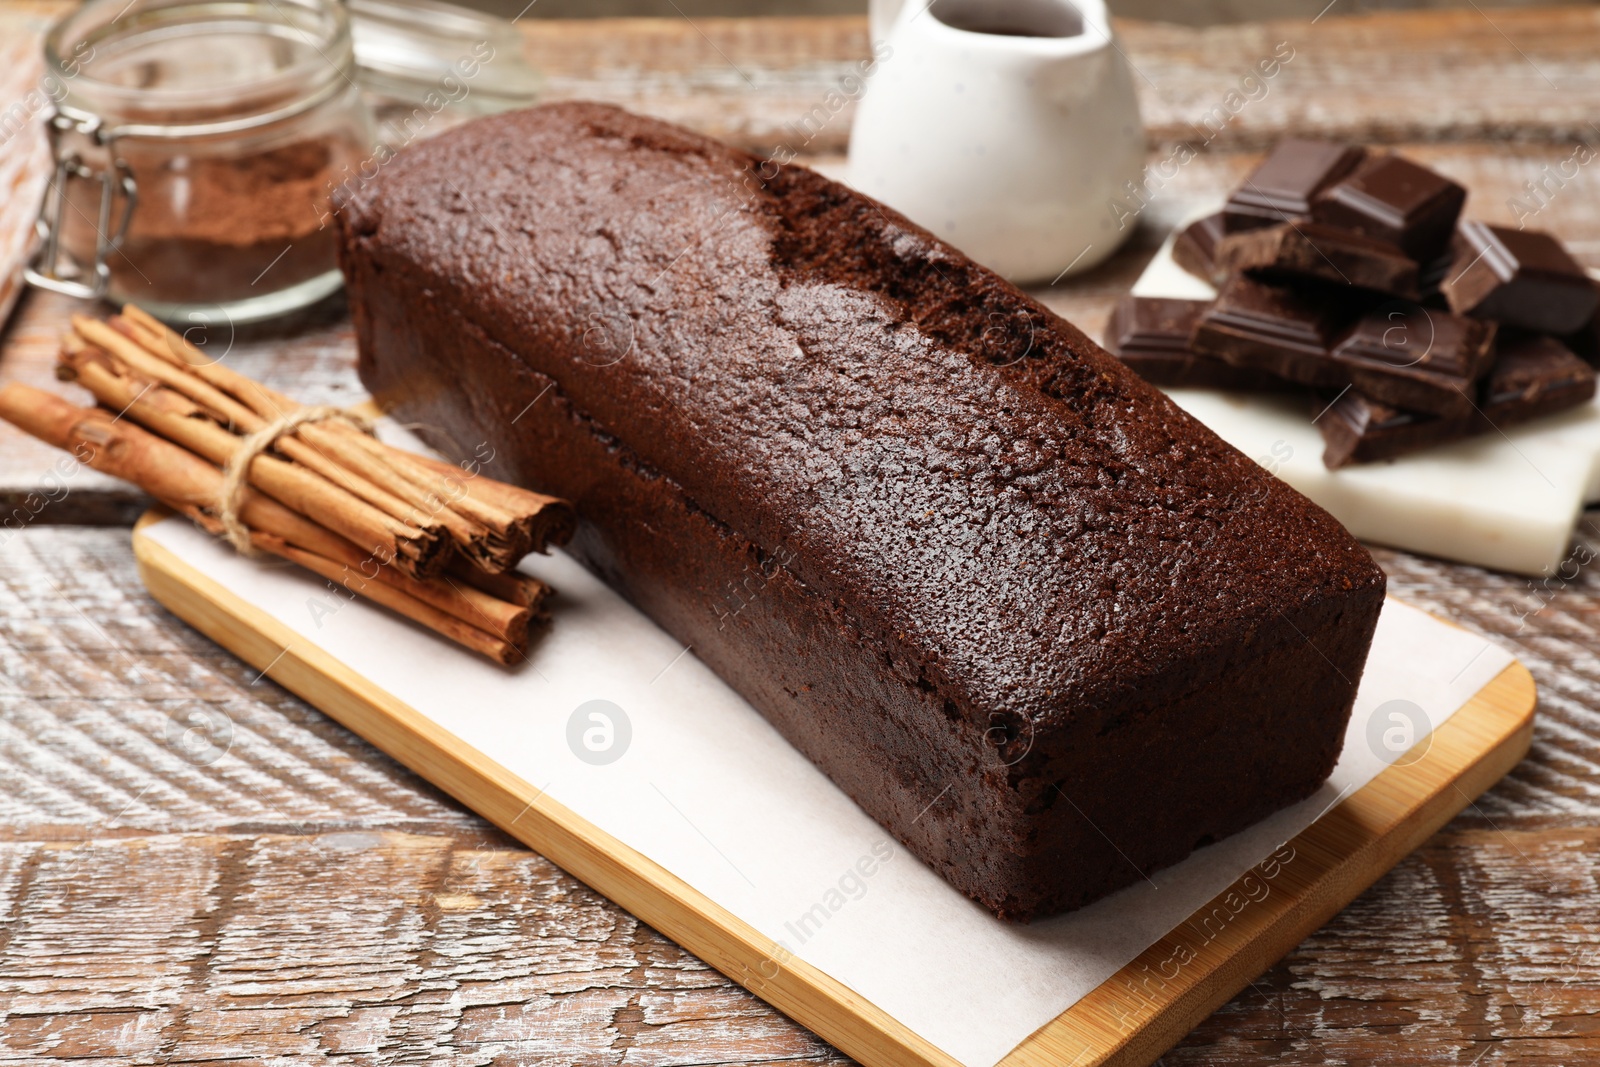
x=1389 y=77
x=1481 y=944
x=1475 y=73
x=1467 y=74
x=1551 y=625
x=115 y=716
x=193 y=947
x=296 y=802
x=186 y=917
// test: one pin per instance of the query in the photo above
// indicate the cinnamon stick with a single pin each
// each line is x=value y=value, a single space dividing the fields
x=226 y=410
x=161 y=340
x=190 y=485
x=549 y=521
x=517 y=521
x=417 y=552
x=551 y=518
x=496 y=648
x=505 y=619
x=375 y=461
x=353 y=473
x=379 y=521
x=492 y=536
x=513 y=587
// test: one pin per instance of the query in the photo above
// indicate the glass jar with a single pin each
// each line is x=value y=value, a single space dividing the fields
x=197 y=147
x=429 y=65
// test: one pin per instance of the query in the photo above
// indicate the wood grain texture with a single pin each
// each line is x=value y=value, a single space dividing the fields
x=1483 y=74
x=1497 y=906
x=152 y=909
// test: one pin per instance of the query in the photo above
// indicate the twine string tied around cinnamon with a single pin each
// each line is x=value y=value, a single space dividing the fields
x=236 y=472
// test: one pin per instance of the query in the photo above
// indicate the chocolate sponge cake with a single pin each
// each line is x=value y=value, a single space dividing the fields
x=1044 y=627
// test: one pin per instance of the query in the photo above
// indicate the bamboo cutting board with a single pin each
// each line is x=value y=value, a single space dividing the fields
x=1129 y=1019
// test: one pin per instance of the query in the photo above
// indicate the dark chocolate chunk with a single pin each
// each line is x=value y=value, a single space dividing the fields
x=1431 y=276
x=1151 y=335
x=1276 y=329
x=1283 y=186
x=1585 y=340
x=1534 y=375
x=1393 y=199
x=1195 y=249
x=1520 y=278
x=1152 y=324
x=1357 y=429
x=1317 y=250
x=1414 y=358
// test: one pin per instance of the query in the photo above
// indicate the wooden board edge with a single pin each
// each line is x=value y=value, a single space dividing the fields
x=1129 y=1020
x=1151 y=1004
x=656 y=896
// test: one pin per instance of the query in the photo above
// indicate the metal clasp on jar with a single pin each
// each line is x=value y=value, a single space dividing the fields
x=71 y=131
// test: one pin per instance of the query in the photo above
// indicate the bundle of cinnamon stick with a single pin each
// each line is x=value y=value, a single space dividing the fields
x=436 y=543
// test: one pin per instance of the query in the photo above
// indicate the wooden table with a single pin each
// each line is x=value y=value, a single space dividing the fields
x=302 y=896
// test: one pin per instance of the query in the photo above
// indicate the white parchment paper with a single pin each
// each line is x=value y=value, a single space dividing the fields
x=707 y=789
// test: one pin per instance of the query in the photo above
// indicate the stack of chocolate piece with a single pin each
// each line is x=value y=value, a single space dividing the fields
x=1344 y=272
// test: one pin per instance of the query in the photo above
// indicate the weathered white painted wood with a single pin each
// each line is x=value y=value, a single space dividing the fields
x=155 y=911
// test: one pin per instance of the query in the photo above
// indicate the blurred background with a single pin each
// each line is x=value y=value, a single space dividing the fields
x=1187 y=12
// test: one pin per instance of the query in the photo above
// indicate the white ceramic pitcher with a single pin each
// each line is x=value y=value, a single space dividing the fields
x=1007 y=127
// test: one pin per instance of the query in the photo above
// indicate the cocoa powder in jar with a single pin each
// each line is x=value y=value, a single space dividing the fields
x=214 y=229
x=215 y=133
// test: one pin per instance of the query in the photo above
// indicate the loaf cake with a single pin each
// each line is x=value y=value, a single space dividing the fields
x=1045 y=628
